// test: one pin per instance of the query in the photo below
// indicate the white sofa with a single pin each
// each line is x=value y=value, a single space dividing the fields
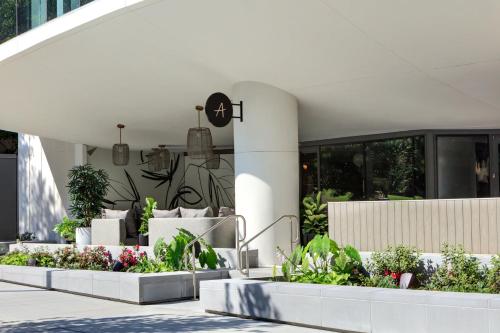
x=110 y=232
x=167 y=228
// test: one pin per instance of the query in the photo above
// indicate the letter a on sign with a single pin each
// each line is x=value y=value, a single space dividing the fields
x=219 y=109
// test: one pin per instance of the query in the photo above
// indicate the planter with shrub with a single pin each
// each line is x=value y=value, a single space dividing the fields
x=87 y=188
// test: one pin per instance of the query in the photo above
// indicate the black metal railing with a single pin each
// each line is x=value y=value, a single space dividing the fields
x=19 y=16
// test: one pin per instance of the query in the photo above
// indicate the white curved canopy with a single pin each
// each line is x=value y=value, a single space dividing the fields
x=356 y=67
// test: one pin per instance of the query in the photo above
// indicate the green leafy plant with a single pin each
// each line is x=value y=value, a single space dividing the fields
x=16 y=258
x=379 y=281
x=322 y=261
x=147 y=213
x=459 y=272
x=147 y=265
x=26 y=236
x=331 y=195
x=43 y=257
x=493 y=277
x=402 y=197
x=67 y=257
x=314 y=215
x=87 y=188
x=174 y=253
x=67 y=228
x=394 y=261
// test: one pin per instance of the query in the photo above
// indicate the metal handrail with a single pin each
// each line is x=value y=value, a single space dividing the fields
x=292 y=241
x=236 y=219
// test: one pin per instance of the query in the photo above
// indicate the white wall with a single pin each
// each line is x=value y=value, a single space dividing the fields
x=43 y=165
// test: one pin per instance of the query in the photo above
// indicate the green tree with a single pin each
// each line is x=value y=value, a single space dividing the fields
x=87 y=189
x=7 y=19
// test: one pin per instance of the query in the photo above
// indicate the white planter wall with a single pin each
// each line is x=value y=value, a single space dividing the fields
x=354 y=309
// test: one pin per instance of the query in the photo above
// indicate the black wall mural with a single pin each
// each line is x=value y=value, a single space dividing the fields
x=208 y=188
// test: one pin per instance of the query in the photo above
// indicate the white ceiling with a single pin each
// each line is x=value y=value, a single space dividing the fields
x=356 y=67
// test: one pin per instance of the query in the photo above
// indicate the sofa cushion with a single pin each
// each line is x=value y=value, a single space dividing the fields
x=127 y=215
x=160 y=213
x=226 y=211
x=191 y=212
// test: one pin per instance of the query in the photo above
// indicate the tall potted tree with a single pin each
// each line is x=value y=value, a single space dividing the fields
x=87 y=188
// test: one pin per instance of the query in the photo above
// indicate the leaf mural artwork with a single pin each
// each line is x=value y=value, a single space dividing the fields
x=125 y=192
x=178 y=193
x=205 y=189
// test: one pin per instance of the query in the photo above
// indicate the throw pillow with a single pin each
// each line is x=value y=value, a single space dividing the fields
x=226 y=211
x=190 y=212
x=157 y=213
x=127 y=215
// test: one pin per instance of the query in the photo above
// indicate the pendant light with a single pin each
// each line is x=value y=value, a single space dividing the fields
x=158 y=159
x=163 y=157
x=152 y=159
x=121 y=152
x=199 y=140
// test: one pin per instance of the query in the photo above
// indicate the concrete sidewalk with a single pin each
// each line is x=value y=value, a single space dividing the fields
x=26 y=309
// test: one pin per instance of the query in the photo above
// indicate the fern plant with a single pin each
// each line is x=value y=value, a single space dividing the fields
x=314 y=215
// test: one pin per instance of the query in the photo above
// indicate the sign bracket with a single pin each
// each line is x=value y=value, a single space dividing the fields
x=240 y=104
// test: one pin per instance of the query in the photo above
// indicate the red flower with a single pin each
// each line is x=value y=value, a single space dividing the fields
x=386 y=272
x=137 y=247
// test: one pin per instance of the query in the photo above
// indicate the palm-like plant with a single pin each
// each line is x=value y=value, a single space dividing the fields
x=314 y=214
x=87 y=188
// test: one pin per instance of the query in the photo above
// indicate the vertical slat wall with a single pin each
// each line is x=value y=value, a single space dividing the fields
x=426 y=224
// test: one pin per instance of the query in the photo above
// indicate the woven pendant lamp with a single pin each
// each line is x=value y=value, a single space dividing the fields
x=163 y=157
x=199 y=140
x=121 y=151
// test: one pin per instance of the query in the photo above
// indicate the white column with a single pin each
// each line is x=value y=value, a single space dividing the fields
x=266 y=164
x=80 y=154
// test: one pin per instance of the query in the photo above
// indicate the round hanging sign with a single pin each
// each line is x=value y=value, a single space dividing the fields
x=219 y=109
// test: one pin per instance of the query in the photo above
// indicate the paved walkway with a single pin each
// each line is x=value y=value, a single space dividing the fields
x=26 y=309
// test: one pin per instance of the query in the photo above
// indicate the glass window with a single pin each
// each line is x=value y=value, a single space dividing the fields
x=342 y=169
x=463 y=166
x=395 y=167
x=375 y=170
x=8 y=142
x=308 y=172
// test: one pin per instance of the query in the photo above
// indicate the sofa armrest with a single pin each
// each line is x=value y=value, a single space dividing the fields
x=108 y=231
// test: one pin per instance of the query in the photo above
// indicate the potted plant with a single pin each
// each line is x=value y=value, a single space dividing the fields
x=67 y=229
x=87 y=188
x=315 y=219
x=147 y=213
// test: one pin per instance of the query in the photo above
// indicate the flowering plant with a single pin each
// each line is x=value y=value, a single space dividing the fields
x=97 y=258
x=130 y=258
x=394 y=261
x=67 y=257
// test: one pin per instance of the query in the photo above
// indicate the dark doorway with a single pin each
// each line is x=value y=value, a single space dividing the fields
x=8 y=197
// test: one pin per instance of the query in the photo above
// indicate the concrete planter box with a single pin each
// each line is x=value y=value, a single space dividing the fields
x=128 y=287
x=354 y=309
